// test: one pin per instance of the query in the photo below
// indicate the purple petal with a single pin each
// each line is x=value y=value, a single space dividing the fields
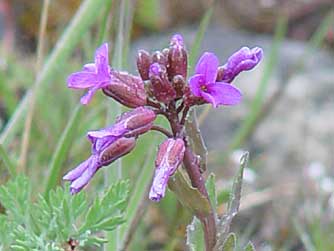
x=195 y=83
x=82 y=80
x=208 y=65
x=222 y=94
x=85 y=177
x=85 y=99
x=117 y=129
x=76 y=172
x=102 y=61
x=159 y=184
x=177 y=39
x=102 y=143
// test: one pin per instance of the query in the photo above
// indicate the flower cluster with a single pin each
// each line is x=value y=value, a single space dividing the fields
x=161 y=89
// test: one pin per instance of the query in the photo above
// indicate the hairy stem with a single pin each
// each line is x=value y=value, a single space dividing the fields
x=208 y=221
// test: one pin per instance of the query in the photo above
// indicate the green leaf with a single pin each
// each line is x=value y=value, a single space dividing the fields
x=249 y=247
x=108 y=212
x=14 y=196
x=224 y=223
x=188 y=195
x=224 y=196
x=230 y=243
x=195 y=139
x=5 y=227
x=195 y=236
x=211 y=188
x=234 y=202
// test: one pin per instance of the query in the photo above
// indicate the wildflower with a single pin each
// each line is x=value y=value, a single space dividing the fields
x=203 y=84
x=244 y=59
x=169 y=157
x=94 y=76
x=111 y=143
x=105 y=151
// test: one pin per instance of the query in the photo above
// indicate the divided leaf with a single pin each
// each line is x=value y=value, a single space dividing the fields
x=108 y=212
x=14 y=196
x=52 y=220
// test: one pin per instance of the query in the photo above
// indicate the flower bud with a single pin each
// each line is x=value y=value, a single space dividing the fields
x=163 y=91
x=178 y=85
x=144 y=61
x=117 y=149
x=160 y=58
x=177 y=58
x=127 y=89
x=244 y=59
x=137 y=121
x=165 y=51
x=129 y=124
x=169 y=157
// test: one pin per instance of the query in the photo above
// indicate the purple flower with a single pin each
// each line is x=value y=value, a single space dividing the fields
x=94 y=76
x=111 y=143
x=244 y=59
x=106 y=151
x=203 y=84
x=169 y=157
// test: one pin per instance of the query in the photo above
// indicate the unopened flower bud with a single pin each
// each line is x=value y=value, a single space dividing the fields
x=244 y=59
x=129 y=124
x=176 y=39
x=137 y=121
x=163 y=91
x=169 y=157
x=178 y=84
x=144 y=61
x=127 y=89
x=160 y=58
x=177 y=58
x=117 y=149
x=165 y=51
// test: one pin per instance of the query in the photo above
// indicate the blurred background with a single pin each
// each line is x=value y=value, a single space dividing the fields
x=286 y=121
